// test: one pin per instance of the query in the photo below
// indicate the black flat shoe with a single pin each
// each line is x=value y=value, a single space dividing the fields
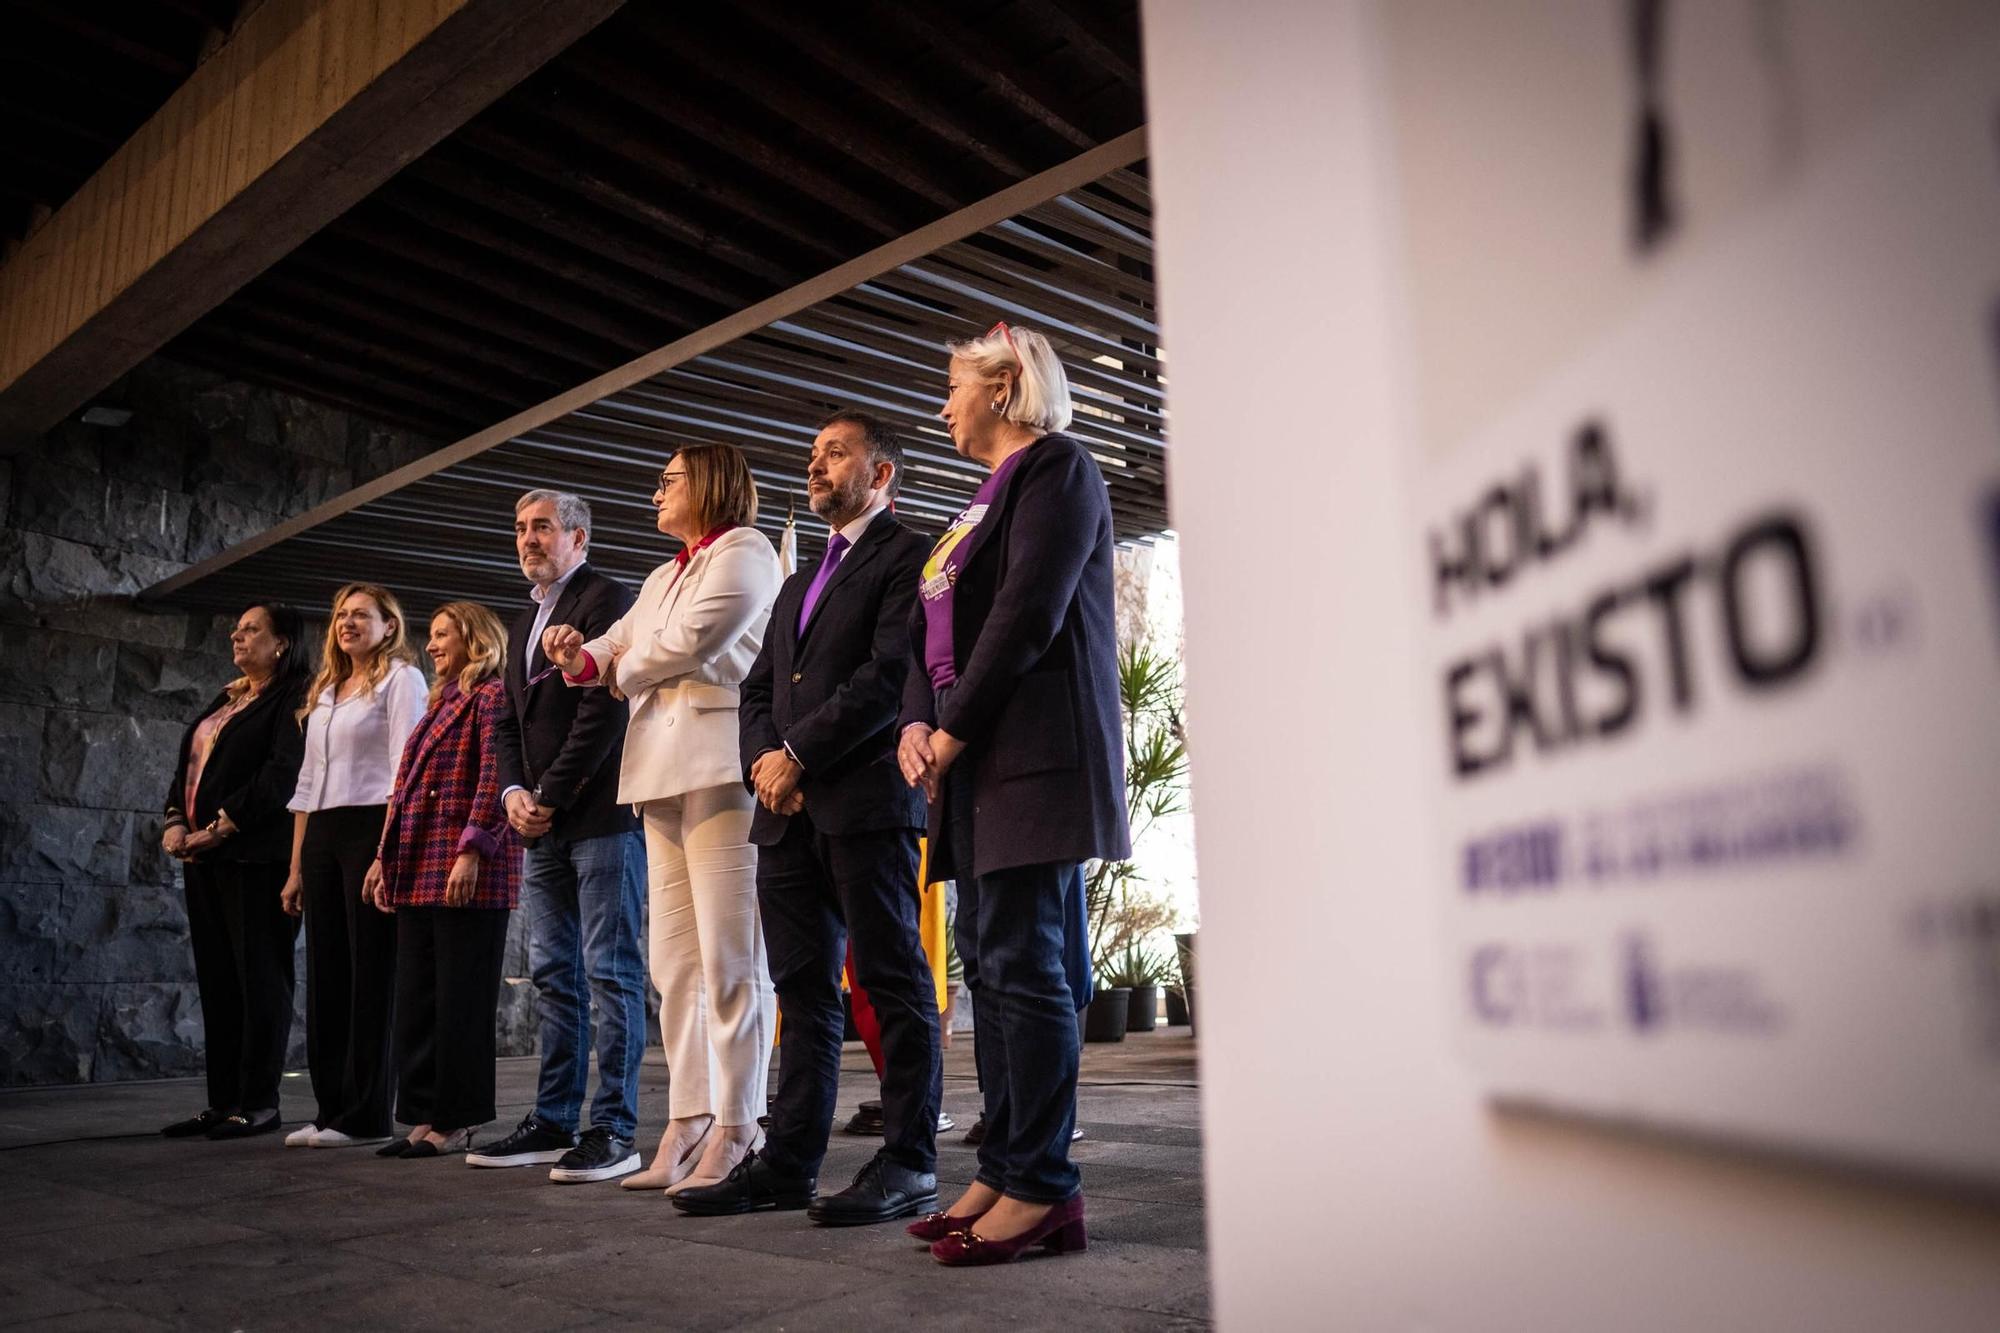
x=457 y=1141
x=244 y=1125
x=753 y=1185
x=882 y=1191
x=395 y=1148
x=194 y=1126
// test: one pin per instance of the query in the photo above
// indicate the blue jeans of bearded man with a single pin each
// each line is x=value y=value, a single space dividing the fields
x=585 y=900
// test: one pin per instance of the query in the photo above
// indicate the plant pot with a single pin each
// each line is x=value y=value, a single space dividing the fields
x=1177 y=1010
x=1105 y=1019
x=1184 y=949
x=1143 y=1014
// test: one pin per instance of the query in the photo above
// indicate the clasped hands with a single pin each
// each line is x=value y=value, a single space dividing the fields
x=925 y=755
x=529 y=817
x=184 y=844
x=563 y=646
x=776 y=776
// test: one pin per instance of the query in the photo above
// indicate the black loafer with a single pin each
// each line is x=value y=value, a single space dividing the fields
x=883 y=1190
x=753 y=1185
x=246 y=1124
x=195 y=1125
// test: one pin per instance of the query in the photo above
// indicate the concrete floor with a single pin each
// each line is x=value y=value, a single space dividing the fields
x=105 y=1225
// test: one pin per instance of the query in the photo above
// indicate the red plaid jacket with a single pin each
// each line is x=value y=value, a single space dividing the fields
x=447 y=799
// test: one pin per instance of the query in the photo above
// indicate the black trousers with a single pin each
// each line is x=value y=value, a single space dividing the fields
x=243 y=940
x=813 y=890
x=448 y=963
x=350 y=973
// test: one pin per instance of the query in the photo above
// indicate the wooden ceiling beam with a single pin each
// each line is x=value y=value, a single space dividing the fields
x=421 y=247
x=582 y=115
x=964 y=47
x=646 y=88
x=801 y=28
x=374 y=296
x=560 y=217
x=305 y=109
x=823 y=118
x=564 y=172
x=616 y=286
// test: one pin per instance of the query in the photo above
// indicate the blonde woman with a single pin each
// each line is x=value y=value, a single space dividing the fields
x=1011 y=727
x=360 y=709
x=448 y=870
x=678 y=657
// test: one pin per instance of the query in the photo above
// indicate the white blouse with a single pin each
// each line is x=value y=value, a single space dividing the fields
x=354 y=745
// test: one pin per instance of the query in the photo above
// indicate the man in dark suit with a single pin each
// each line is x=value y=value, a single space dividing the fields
x=583 y=877
x=836 y=827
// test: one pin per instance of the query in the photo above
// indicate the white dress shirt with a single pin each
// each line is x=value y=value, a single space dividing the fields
x=545 y=602
x=353 y=746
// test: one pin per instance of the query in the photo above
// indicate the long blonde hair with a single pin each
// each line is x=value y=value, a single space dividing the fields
x=335 y=666
x=485 y=645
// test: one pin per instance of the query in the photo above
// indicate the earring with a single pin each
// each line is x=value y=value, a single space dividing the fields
x=996 y=405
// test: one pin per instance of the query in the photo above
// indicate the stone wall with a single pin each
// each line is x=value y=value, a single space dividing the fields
x=96 y=980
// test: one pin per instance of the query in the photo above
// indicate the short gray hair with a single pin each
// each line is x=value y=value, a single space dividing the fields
x=1039 y=398
x=572 y=511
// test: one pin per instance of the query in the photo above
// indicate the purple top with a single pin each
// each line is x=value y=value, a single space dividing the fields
x=941 y=576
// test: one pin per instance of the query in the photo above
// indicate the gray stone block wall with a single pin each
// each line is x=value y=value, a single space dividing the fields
x=96 y=978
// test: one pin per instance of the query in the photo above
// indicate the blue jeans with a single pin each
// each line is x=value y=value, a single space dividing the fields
x=1011 y=930
x=584 y=900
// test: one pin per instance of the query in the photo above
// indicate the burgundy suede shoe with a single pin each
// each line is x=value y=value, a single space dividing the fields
x=1060 y=1232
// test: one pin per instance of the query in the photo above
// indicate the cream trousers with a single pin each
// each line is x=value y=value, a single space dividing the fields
x=717 y=1005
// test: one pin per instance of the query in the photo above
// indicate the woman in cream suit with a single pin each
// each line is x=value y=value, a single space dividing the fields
x=677 y=657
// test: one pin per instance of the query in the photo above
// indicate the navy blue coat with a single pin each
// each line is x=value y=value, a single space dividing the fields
x=1035 y=635
x=832 y=694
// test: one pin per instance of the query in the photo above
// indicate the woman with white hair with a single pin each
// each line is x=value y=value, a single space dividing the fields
x=1012 y=729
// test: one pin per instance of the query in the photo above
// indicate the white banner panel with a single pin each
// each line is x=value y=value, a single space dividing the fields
x=1714 y=639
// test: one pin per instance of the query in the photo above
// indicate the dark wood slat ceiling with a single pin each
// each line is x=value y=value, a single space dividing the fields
x=878 y=346
x=77 y=79
x=679 y=163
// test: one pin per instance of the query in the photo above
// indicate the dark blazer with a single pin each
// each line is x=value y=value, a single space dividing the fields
x=447 y=800
x=1035 y=634
x=252 y=773
x=833 y=693
x=562 y=744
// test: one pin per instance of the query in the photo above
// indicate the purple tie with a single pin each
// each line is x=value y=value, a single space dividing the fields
x=835 y=548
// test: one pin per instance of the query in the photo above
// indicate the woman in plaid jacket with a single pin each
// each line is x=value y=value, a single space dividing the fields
x=449 y=868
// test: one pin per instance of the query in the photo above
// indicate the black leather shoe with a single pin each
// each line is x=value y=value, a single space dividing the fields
x=882 y=1191
x=867 y=1122
x=753 y=1185
x=533 y=1142
x=245 y=1124
x=194 y=1125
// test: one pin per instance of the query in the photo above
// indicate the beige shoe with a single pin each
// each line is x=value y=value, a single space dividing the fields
x=669 y=1168
x=714 y=1173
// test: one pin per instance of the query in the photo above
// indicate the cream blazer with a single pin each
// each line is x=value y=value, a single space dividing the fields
x=689 y=643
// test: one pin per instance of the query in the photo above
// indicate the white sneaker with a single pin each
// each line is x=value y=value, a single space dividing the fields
x=333 y=1138
x=302 y=1137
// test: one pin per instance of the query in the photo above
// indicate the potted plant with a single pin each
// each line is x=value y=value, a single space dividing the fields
x=1108 y=1013
x=1123 y=916
x=1141 y=971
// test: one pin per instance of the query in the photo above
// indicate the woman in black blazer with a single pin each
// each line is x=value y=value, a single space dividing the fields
x=1010 y=724
x=228 y=825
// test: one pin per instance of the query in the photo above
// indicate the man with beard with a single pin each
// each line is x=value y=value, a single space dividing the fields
x=837 y=827
x=584 y=873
